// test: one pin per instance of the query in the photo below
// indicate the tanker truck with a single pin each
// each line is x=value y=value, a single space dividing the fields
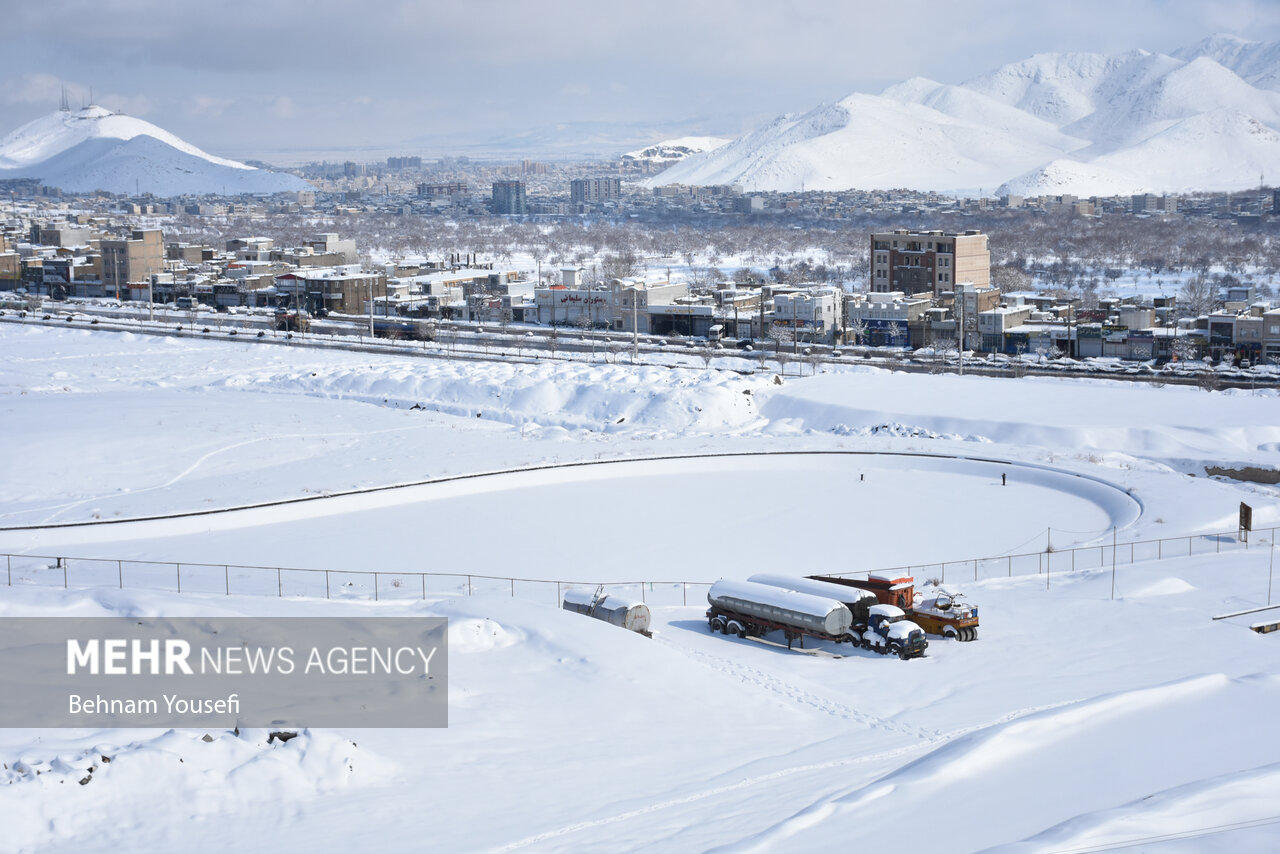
x=751 y=608
x=879 y=627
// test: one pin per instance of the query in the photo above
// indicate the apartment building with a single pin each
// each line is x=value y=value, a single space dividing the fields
x=928 y=262
x=509 y=198
x=131 y=259
x=590 y=190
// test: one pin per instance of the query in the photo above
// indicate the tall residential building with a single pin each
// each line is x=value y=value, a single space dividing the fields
x=132 y=259
x=915 y=262
x=508 y=198
x=584 y=190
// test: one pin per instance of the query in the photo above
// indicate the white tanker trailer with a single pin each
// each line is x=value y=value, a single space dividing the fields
x=745 y=609
x=883 y=628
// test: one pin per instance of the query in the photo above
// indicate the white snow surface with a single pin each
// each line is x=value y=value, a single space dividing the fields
x=1081 y=718
x=1088 y=124
x=96 y=149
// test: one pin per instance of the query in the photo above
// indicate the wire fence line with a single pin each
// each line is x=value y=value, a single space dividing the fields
x=30 y=570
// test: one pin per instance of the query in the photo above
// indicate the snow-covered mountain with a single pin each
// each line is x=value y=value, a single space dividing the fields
x=96 y=149
x=674 y=150
x=1206 y=117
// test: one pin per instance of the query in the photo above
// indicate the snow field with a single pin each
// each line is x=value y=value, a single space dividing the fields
x=1075 y=720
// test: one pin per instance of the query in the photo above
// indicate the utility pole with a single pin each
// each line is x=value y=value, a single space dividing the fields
x=635 y=329
x=960 y=328
x=371 y=307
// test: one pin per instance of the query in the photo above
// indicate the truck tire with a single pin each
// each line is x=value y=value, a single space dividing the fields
x=953 y=632
x=850 y=639
x=717 y=625
x=735 y=628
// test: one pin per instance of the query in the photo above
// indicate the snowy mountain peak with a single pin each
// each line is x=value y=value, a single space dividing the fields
x=1098 y=124
x=97 y=149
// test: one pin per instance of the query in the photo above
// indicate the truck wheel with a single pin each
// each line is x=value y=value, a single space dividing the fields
x=953 y=632
x=973 y=633
x=902 y=653
x=717 y=625
x=849 y=639
x=735 y=628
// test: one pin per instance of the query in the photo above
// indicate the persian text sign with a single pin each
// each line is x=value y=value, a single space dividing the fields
x=224 y=672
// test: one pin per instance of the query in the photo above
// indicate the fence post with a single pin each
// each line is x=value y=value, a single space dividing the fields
x=558 y=600
x=684 y=591
x=279 y=584
x=1010 y=558
x=178 y=572
x=944 y=572
x=513 y=588
x=423 y=576
x=8 y=563
x=326 y=584
x=226 y=577
x=120 y=572
x=64 y=574
x=1130 y=552
x=375 y=586
x=1159 y=549
x=975 y=569
x=468 y=585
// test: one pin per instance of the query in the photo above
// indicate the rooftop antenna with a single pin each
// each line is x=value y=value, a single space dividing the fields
x=66 y=108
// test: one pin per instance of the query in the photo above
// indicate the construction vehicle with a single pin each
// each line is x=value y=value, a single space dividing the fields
x=941 y=614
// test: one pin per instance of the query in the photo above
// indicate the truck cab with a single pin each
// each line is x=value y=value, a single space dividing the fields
x=889 y=631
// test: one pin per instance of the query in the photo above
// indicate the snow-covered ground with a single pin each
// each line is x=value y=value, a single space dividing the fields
x=1076 y=721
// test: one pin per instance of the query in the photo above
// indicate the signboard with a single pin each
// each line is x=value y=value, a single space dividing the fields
x=1246 y=517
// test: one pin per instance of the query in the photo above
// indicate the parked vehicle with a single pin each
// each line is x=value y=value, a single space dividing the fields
x=942 y=614
x=879 y=627
x=746 y=609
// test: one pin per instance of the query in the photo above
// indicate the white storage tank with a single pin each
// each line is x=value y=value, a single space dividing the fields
x=624 y=613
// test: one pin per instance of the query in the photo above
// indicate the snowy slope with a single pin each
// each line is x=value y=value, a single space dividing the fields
x=95 y=149
x=1083 y=123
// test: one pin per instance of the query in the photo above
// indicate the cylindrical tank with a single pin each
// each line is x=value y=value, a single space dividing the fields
x=858 y=601
x=630 y=615
x=819 y=614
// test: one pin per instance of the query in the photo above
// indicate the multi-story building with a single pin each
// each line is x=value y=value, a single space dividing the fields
x=509 y=198
x=916 y=262
x=588 y=190
x=884 y=319
x=132 y=259
x=812 y=314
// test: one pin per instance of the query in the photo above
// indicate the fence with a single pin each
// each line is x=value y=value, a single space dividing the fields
x=293 y=582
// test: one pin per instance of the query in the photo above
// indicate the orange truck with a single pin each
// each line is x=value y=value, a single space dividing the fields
x=940 y=614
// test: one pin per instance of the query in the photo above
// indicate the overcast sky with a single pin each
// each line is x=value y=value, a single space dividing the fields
x=258 y=78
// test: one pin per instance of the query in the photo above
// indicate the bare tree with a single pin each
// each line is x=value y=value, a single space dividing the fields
x=1197 y=296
